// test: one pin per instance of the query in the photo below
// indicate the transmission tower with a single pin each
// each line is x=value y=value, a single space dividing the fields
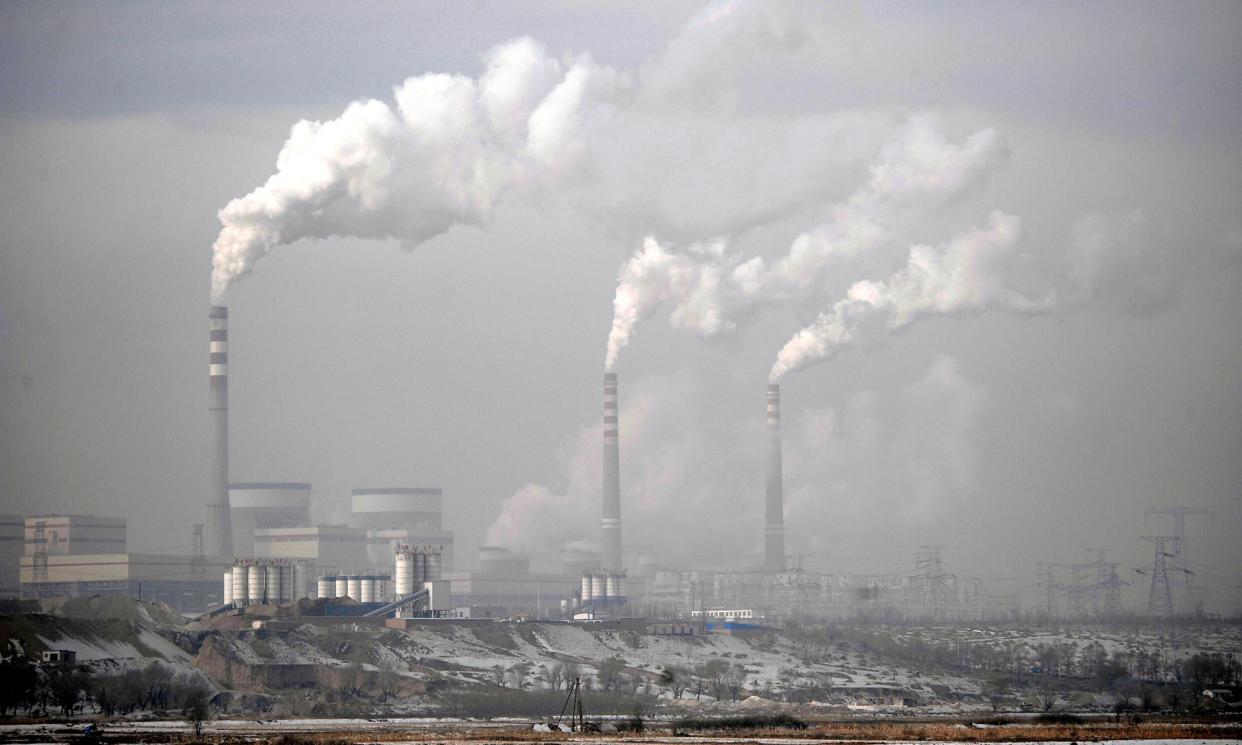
x=39 y=561
x=1160 y=598
x=934 y=579
x=1081 y=595
x=1106 y=591
x=1193 y=594
x=1110 y=585
x=1050 y=585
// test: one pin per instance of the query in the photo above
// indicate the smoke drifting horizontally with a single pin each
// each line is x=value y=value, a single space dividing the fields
x=1107 y=257
x=630 y=148
x=712 y=292
x=444 y=155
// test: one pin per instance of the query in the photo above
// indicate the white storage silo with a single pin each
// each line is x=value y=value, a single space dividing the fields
x=599 y=586
x=326 y=587
x=353 y=586
x=272 y=594
x=239 y=585
x=404 y=575
x=342 y=586
x=366 y=589
x=254 y=584
x=586 y=588
x=228 y=588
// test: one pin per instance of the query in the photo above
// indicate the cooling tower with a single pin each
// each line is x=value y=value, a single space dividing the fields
x=610 y=521
x=774 y=525
x=219 y=524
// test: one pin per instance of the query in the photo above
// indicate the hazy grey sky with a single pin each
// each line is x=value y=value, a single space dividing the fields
x=474 y=361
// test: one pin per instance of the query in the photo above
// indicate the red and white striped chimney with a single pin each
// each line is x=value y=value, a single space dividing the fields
x=219 y=523
x=610 y=520
x=774 y=524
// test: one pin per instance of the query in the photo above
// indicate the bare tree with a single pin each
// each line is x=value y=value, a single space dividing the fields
x=733 y=680
x=610 y=673
x=676 y=678
x=517 y=675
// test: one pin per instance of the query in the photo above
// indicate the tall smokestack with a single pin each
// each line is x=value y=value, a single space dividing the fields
x=774 y=525
x=610 y=522
x=219 y=525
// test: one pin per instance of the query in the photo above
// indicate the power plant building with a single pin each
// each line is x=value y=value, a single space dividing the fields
x=60 y=535
x=334 y=547
x=504 y=581
x=394 y=516
x=184 y=582
x=262 y=505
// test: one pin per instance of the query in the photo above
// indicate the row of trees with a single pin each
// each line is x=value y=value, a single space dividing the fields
x=67 y=690
x=1053 y=658
x=715 y=677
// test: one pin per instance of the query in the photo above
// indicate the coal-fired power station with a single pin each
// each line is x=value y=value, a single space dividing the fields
x=610 y=520
x=219 y=525
x=774 y=525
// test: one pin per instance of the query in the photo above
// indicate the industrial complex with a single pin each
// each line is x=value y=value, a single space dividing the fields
x=261 y=548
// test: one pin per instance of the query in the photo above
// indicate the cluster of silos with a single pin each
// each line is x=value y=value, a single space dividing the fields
x=602 y=588
x=264 y=582
x=414 y=566
x=365 y=588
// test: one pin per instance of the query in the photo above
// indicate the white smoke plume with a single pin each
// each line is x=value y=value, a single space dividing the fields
x=1108 y=257
x=712 y=292
x=965 y=274
x=656 y=275
x=631 y=149
x=445 y=154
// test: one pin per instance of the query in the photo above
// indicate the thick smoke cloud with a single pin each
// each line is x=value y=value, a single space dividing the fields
x=631 y=148
x=444 y=154
x=917 y=171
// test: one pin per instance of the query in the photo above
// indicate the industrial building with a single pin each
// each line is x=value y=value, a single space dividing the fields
x=263 y=505
x=393 y=516
x=504 y=580
x=337 y=547
x=61 y=535
x=186 y=583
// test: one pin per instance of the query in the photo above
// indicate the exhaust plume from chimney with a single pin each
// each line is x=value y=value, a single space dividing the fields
x=774 y=525
x=219 y=524
x=610 y=521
